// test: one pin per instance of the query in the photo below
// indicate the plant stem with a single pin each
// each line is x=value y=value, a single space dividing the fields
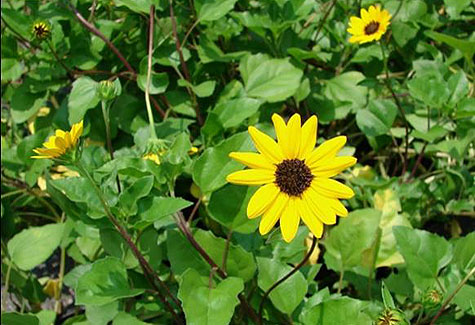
x=183 y=64
x=153 y=134
x=105 y=114
x=57 y=305
x=340 y=281
x=193 y=212
x=61 y=63
x=146 y=267
x=226 y=250
x=288 y=275
x=324 y=19
x=452 y=295
x=399 y=106
x=6 y=285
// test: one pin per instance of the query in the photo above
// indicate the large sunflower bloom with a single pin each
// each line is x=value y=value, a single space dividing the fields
x=370 y=27
x=295 y=177
x=60 y=143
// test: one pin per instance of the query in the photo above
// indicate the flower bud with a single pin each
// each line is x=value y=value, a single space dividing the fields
x=392 y=317
x=108 y=90
x=432 y=298
x=41 y=30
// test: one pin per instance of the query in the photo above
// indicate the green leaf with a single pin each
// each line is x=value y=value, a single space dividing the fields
x=288 y=295
x=105 y=283
x=387 y=297
x=232 y=213
x=425 y=254
x=158 y=82
x=204 y=89
x=464 y=46
x=403 y=32
x=182 y=255
x=25 y=104
x=464 y=252
x=103 y=314
x=378 y=118
x=458 y=87
x=337 y=311
x=124 y=318
x=34 y=245
x=82 y=98
x=455 y=7
x=233 y=112
x=140 y=6
x=17 y=318
x=205 y=305
x=431 y=89
x=211 y=169
x=272 y=80
x=129 y=197
x=155 y=208
x=435 y=133
x=11 y=69
x=209 y=10
x=350 y=238
x=18 y=22
x=345 y=88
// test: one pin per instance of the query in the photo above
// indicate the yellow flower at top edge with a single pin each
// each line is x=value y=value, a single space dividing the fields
x=370 y=27
x=295 y=177
x=60 y=143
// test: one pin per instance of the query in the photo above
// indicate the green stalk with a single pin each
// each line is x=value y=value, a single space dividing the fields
x=151 y=122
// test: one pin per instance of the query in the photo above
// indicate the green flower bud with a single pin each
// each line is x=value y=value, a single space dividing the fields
x=432 y=298
x=41 y=30
x=392 y=317
x=108 y=90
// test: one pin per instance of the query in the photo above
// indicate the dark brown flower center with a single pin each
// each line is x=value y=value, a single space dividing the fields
x=41 y=30
x=371 y=28
x=293 y=176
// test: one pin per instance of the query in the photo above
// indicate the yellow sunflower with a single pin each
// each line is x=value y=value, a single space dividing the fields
x=370 y=27
x=60 y=143
x=295 y=177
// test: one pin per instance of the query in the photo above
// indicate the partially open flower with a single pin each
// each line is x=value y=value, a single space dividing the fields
x=61 y=145
x=41 y=30
x=370 y=27
x=295 y=177
x=392 y=317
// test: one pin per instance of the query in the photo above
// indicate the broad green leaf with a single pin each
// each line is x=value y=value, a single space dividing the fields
x=465 y=299
x=211 y=169
x=378 y=118
x=129 y=197
x=387 y=201
x=403 y=32
x=140 y=6
x=455 y=7
x=25 y=104
x=232 y=213
x=425 y=254
x=239 y=263
x=287 y=296
x=431 y=89
x=233 y=112
x=464 y=252
x=102 y=314
x=436 y=132
x=158 y=82
x=18 y=21
x=345 y=89
x=209 y=10
x=182 y=255
x=409 y=11
x=82 y=98
x=210 y=52
x=13 y=318
x=458 y=87
x=105 y=283
x=464 y=46
x=205 y=305
x=154 y=208
x=78 y=189
x=338 y=311
x=387 y=297
x=350 y=238
x=124 y=318
x=12 y=69
x=34 y=245
x=273 y=80
x=204 y=89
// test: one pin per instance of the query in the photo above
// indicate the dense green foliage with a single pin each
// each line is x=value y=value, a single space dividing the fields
x=406 y=105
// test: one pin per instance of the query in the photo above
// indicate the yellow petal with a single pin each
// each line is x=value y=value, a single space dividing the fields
x=374 y=13
x=320 y=206
x=272 y=215
x=339 y=208
x=252 y=160
x=309 y=137
x=292 y=142
x=60 y=144
x=251 y=177
x=365 y=16
x=51 y=142
x=356 y=22
x=266 y=145
x=332 y=189
x=310 y=218
x=68 y=140
x=280 y=128
x=289 y=221
x=331 y=167
x=326 y=150
x=261 y=200
x=76 y=131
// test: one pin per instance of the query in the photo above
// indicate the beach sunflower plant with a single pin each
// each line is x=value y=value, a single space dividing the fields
x=216 y=162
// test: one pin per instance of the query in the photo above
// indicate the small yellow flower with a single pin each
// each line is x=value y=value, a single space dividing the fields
x=41 y=30
x=193 y=150
x=370 y=27
x=296 y=177
x=60 y=143
x=153 y=157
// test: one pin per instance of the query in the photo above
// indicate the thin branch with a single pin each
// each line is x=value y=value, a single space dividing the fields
x=99 y=34
x=452 y=295
x=226 y=250
x=151 y=24
x=288 y=275
x=327 y=13
x=193 y=212
x=183 y=64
